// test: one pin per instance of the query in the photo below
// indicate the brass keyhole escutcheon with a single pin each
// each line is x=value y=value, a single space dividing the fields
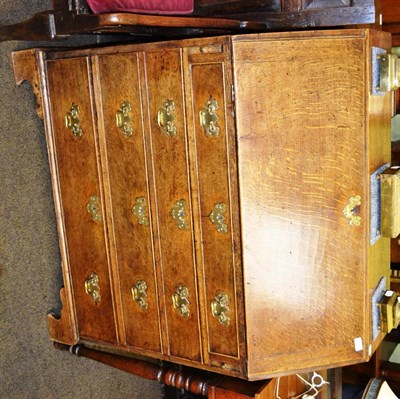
x=220 y=308
x=72 y=121
x=139 y=294
x=140 y=211
x=180 y=300
x=217 y=217
x=179 y=214
x=166 y=118
x=93 y=207
x=352 y=210
x=123 y=119
x=209 y=118
x=92 y=287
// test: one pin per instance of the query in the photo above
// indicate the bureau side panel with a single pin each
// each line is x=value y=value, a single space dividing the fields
x=301 y=149
x=81 y=196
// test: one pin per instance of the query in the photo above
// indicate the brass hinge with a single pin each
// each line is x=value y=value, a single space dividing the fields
x=390 y=202
x=389 y=307
x=389 y=78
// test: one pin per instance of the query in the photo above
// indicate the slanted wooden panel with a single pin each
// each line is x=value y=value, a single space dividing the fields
x=301 y=149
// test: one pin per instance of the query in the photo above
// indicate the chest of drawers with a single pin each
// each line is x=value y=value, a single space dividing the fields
x=213 y=197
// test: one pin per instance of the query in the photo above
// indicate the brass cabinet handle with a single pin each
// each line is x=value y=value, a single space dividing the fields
x=123 y=119
x=72 y=121
x=166 y=118
x=92 y=287
x=139 y=294
x=389 y=72
x=352 y=209
x=140 y=211
x=220 y=308
x=217 y=217
x=390 y=202
x=180 y=300
x=209 y=118
x=179 y=214
x=93 y=207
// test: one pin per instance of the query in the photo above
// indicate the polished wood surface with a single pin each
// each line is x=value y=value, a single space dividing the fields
x=170 y=172
x=300 y=134
x=78 y=176
x=301 y=150
x=214 y=183
x=209 y=17
x=119 y=82
x=69 y=18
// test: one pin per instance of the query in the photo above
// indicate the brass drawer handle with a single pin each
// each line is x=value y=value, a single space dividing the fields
x=220 y=308
x=166 y=118
x=209 y=118
x=93 y=207
x=217 y=217
x=139 y=294
x=179 y=214
x=92 y=287
x=352 y=209
x=389 y=72
x=123 y=119
x=140 y=211
x=390 y=202
x=72 y=121
x=180 y=300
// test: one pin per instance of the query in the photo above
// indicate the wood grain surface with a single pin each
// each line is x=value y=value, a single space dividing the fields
x=119 y=82
x=302 y=155
x=299 y=136
x=79 y=179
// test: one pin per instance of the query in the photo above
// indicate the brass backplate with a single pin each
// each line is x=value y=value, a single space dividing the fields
x=140 y=211
x=179 y=214
x=389 y=72
x=166 y=118
x=390 y=202
x=72 y=121
x=218 y=218
x=92 y=287
x=220 y=308
x=209 y=118
x=352 y=210
x=93 y=207
x=123 y=119
x=139 y=294
x=180 y=300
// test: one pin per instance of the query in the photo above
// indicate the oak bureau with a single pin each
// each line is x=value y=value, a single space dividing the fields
x=215 y=197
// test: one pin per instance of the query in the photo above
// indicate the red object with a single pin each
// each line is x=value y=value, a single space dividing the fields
x=142 y=6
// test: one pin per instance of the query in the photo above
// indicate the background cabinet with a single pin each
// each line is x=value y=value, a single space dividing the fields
x=225 y=169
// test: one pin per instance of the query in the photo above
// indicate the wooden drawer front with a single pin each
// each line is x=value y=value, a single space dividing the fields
x=302 y=162
x=170 y=168
x=215 y=208
x=78 y=176
x=132 y=235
